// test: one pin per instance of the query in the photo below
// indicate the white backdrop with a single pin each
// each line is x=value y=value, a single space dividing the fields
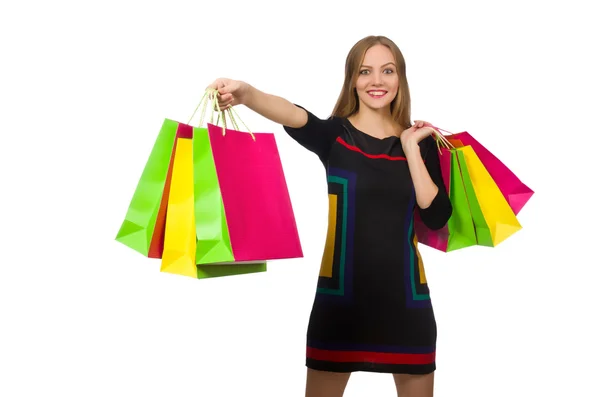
x=84 y=89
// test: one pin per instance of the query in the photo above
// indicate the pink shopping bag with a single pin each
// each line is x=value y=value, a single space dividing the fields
x=256 y=200
x=513 y=189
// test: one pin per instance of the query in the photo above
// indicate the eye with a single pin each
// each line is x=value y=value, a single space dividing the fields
x=364 y=71
x=389 y=71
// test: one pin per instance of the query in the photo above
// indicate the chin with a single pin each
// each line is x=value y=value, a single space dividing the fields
x=377 y=104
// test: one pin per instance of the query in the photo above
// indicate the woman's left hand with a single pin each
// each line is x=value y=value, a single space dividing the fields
x=415 y=134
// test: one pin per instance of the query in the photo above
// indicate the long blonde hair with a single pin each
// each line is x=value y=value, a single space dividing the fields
x=347 y=103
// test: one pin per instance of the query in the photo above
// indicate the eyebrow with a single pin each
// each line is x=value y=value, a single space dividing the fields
x=370 y=67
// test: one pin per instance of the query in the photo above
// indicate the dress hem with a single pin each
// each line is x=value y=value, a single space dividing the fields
x=349 y=367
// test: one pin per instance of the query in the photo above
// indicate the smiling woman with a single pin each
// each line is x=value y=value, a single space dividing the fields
x=380 y=81
x=372 y=310
x=376 y=77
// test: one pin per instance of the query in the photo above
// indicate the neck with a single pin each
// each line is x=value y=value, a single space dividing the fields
x=371 y=116
x=376 y=120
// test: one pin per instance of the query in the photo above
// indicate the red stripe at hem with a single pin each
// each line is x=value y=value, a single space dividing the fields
x=372 y=156
x=373 y=357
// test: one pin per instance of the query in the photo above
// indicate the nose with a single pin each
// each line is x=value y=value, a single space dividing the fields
x=377 y=80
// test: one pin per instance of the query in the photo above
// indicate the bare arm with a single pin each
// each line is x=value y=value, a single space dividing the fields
x=315 y=134
x=425 y=188
x=430 y=190
x=275 y=108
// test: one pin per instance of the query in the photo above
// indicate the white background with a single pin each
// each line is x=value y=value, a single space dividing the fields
x=84 y=89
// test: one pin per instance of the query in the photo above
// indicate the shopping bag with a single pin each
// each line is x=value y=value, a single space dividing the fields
x=257 y=205
x=212 y=232
x=492 y=215
x=143 y=226
x=459 y=231
x=513 y=189
x=180 y=229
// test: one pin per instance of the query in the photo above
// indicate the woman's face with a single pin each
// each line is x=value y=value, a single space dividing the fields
x=377 y=82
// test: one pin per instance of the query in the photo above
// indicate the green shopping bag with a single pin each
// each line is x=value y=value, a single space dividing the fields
x=214 y=244
x=459 y=231
x=143 y=226
x=462 y=230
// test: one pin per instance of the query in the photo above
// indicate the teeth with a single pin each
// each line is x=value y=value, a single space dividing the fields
x=377 y=92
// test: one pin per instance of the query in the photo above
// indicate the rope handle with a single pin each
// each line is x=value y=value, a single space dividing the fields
x=211 y=95
x=440 y=139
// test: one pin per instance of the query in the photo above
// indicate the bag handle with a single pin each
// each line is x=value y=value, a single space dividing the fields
x=440 y=138
x=211 y=95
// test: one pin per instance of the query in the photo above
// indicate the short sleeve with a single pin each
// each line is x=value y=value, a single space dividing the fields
x=439 y=211
x=317 y=135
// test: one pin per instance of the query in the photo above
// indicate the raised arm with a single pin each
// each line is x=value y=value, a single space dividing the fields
x=315 y=134
x=272 y=107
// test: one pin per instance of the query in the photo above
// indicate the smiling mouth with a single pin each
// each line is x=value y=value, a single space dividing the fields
x=376 y=93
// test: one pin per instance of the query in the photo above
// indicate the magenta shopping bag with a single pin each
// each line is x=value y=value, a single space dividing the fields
x=256 y=200
x=437 y=239
x=513 y=189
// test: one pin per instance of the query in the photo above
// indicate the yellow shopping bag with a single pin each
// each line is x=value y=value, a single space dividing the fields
x=179 y=254
x=492 y=215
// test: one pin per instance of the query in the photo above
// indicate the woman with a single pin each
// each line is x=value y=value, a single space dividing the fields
x=372 y=310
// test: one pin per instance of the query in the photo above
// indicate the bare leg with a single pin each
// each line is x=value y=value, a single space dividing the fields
x=325 y=384
x=414 y=385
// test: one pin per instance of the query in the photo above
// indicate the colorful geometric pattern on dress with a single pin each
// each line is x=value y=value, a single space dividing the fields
x=370 y=353
x=417 y=291
x=335 y=276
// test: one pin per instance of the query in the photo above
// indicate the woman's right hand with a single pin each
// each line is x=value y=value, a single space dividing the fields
x=231 y=92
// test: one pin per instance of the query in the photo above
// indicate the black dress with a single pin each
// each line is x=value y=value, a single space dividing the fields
x=372 y=310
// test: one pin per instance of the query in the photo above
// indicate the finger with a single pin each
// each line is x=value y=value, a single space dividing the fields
x=225 y=105
x=225 y=89
x=423 y=123
x=213 y=90
x=225 y=100
x=427 y=131
x=225 y=97
x=215 y=85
